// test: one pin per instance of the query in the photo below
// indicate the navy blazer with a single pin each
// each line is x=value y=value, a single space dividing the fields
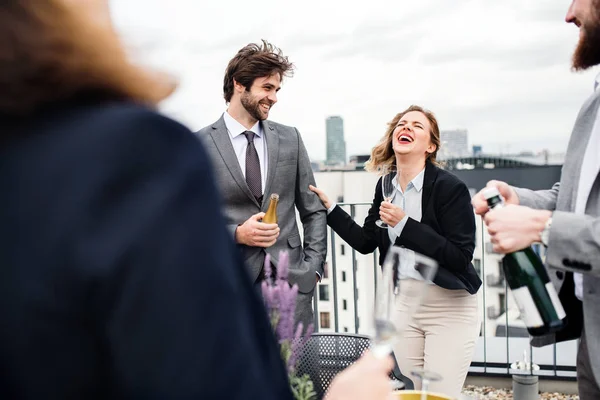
x=118 y=278
x=445 y=233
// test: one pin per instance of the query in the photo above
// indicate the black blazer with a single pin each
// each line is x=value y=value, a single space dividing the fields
x=446 y=232
x=118 y=278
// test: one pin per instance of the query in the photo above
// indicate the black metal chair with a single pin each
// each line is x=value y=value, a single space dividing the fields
x=324 y=355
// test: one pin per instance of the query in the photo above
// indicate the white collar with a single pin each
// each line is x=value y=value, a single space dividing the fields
x=417 y=181
x=236 y=129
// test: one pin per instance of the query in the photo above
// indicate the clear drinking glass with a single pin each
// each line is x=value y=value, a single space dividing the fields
x=426 y=378
x=389 y=173
x=405 y=278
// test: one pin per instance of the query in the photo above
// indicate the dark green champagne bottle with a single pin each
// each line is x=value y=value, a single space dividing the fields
x=528 y=280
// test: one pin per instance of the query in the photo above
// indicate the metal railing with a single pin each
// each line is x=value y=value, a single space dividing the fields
x=503 y=338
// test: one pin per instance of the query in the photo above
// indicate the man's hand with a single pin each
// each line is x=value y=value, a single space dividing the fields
x=514 y=227
x=255 y=233
x=390 y=213
x=365 y=379
x=506 y=191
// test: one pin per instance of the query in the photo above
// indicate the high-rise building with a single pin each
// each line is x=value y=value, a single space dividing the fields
x=455 y=143
x=336 y=145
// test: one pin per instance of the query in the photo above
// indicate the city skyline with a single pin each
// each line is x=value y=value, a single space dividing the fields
x=499 y=69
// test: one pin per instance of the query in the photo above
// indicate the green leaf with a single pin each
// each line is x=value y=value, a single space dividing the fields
x=302 y=387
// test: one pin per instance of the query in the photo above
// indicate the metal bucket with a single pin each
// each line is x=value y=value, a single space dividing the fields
x=416 y=395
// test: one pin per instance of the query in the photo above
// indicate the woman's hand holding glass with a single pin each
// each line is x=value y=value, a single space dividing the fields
x=390 y=213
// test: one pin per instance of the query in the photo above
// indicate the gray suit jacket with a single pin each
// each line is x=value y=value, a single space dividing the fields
x=574 y=243
x=289 y=174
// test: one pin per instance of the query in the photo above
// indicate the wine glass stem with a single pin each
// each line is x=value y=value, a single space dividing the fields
x=424 y=388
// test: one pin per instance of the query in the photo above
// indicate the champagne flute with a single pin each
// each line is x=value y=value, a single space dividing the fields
x=387 y=187
x=405 y=278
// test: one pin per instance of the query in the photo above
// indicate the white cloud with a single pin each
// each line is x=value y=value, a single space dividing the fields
x=499 y=69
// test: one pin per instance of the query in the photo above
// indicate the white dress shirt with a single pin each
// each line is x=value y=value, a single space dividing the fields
x=240 y=143
x=590 y=166
x=410 y=201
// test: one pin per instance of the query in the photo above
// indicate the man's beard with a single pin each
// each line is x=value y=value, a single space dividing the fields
x=252 y=105
x=587 y=53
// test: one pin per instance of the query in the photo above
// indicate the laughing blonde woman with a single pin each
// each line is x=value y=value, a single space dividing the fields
x=431 y=214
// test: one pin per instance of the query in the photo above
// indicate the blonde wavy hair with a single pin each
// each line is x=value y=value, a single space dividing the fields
x=382 y=154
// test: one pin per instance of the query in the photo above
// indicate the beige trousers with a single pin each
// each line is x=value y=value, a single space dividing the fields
x=440 y=336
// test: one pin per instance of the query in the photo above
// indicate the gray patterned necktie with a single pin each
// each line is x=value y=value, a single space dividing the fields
x=253 y=177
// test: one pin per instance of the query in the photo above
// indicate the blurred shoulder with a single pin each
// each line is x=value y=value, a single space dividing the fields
x=118 y=118
x=109 y=138
x=118 y=127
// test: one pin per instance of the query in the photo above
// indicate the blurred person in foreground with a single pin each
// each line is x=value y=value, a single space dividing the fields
x=118 y=278
x=566 y=218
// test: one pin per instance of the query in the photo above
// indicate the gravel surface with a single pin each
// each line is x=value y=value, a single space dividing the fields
x=488 y=393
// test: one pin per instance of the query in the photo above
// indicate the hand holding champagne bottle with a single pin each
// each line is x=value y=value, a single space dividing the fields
x=528 y=280
x=260 y=230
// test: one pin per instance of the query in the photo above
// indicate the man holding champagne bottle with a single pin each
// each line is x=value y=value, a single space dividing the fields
x=565 y=218
x=255 y=158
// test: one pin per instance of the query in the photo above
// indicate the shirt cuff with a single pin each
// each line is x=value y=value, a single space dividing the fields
x=330 y=209
x=400 y=226
x=318 y=276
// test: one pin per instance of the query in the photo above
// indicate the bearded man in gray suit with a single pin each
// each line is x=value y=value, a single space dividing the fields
x=253 y=158
x=566 y=218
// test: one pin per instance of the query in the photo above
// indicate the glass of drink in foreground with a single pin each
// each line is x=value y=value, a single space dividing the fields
x=406 y=276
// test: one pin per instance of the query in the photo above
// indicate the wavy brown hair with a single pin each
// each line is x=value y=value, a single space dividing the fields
x=383 y=153
x=58 y=50
x=255 y=61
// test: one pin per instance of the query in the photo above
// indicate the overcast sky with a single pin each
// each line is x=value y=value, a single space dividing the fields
x=499 y=68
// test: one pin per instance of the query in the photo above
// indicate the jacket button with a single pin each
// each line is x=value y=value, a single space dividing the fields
x=567 y=262
x=560 y=275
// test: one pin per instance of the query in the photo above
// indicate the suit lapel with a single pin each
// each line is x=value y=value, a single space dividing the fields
x=580 y=137
x=272 y=140
x=428 y=181
x=223 y=144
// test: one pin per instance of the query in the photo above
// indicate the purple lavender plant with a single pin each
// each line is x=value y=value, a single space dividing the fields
x=280 y=300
